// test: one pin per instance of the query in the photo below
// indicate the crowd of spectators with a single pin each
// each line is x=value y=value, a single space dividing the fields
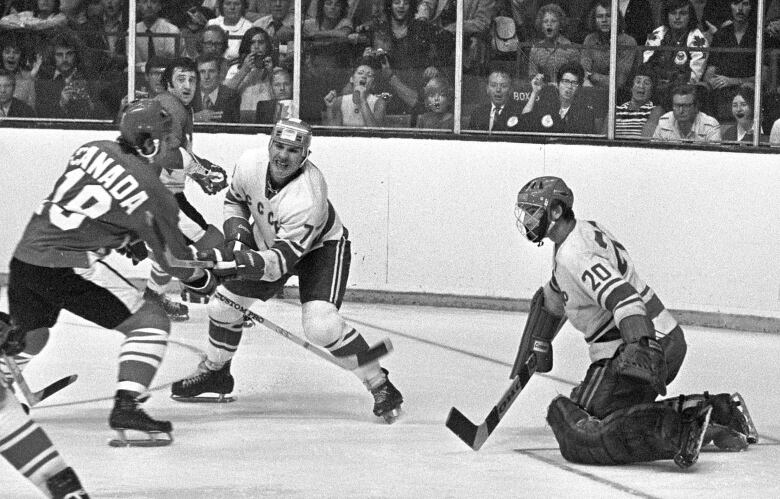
x=545 y=67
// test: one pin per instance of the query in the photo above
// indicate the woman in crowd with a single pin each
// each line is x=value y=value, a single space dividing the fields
x=13 y=54
x=438 y=103
x=331 y=23
x=672 y=49
x=234 y=23
x=553 y=50
x=45 y=14
x=595 y=52
x=359 y=107
x=637 y=118
x=742 y=112
x=250 y=75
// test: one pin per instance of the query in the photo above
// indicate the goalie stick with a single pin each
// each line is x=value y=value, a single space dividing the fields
x=475 y=436
x=349 y=362
x=34 y=398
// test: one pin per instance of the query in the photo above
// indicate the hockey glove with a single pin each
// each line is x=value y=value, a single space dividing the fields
x=543 y=351
x=210 y=177
x=644 y=361
x=248 y=263
x=199 y=290
x=135 y=251
x=11 y=338
x=238 y=234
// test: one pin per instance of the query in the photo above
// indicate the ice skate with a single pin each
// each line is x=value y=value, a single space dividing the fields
x=176 y=311
x=205 y=380
x=731 y=428
x=66 y=485
x=694 y=425
x=387 y=400
x=127 y=416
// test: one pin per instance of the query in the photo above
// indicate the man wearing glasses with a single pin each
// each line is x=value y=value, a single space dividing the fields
x=685 y=122
x=559 y=107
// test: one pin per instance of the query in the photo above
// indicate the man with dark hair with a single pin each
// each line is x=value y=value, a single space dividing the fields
x=10 y=106
x=214 y=102
x=561 y=108
x=685 y=122
x=62 y=90
x=156 y=36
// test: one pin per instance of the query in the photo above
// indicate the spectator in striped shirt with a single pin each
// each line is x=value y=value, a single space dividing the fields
x=637 y=118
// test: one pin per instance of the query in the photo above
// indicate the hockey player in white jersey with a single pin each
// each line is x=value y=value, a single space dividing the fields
x=278 y=223
x=636 y=347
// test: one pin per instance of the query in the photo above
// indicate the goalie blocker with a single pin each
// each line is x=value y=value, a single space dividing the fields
x=538 y=334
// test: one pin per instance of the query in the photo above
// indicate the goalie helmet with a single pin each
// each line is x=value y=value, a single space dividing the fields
x=294 y=132
x=143 y=119
x=532 y=209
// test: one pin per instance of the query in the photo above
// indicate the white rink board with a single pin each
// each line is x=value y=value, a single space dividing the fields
x=437 y=216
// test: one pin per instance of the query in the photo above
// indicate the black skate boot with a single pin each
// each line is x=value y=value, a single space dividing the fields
x=176 y=311
x=694 y=425
x=66 y=485
x=127 y=416
x=387 y=400
x=205 y=381
x=731 y=427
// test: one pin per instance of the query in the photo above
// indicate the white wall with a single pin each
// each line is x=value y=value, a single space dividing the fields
x=437 y=216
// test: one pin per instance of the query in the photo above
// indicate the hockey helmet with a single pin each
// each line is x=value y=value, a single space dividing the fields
x=143 y=119
x=294 y=132
x=532 y=209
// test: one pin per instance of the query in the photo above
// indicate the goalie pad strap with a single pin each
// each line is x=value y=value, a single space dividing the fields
x=640 y=433
x=541 y=324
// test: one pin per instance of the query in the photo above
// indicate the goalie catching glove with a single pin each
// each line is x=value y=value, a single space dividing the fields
x=641 y=357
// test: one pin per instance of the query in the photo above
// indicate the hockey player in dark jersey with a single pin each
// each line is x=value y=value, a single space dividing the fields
x=181 y=80
x=636 y=348
x=109 y=198
x=279 y=223
x=23 y=443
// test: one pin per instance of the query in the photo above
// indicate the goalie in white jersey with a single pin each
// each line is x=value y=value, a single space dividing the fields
x=278 y=223
x=636 y=347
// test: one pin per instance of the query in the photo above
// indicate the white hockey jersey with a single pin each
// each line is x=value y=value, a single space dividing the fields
x=288 y=225
x=596 y=285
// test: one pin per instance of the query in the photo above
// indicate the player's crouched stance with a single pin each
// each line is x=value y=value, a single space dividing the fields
x=23 y=443
x=636 y=348
x=295 y=231
x=109 y=198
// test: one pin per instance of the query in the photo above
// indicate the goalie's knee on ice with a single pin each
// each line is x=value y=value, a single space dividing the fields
x=322 y=323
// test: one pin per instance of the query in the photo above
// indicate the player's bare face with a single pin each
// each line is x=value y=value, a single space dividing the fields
x=183 y=83
x=284 y=160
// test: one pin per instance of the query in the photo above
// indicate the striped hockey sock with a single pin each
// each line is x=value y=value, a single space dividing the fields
x=140 y=357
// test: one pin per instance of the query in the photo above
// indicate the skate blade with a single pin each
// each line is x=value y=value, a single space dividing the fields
x=209 y=399
x=153 y=439
x=391 y=417
x=752 y=436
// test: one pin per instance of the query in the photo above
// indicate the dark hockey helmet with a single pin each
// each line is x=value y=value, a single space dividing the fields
x=532 y=209
x=294 y=132
x=143 y=119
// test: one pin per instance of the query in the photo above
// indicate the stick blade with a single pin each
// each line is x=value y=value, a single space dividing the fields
x=54 y=388
x=374 y=353
x=463 y=428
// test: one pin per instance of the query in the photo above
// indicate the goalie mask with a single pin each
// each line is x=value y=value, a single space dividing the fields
x=532 y=209
x=145 y=119
x=294 y=132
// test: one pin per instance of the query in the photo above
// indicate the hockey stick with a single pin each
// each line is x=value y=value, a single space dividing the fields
x=474 y=436
x=349 y=362
x=34 y=398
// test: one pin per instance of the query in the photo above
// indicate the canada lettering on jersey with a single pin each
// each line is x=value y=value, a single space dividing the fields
x=114 y=178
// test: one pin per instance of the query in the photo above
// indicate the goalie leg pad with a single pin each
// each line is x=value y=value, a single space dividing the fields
x=541 y=325
x=641 y=433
